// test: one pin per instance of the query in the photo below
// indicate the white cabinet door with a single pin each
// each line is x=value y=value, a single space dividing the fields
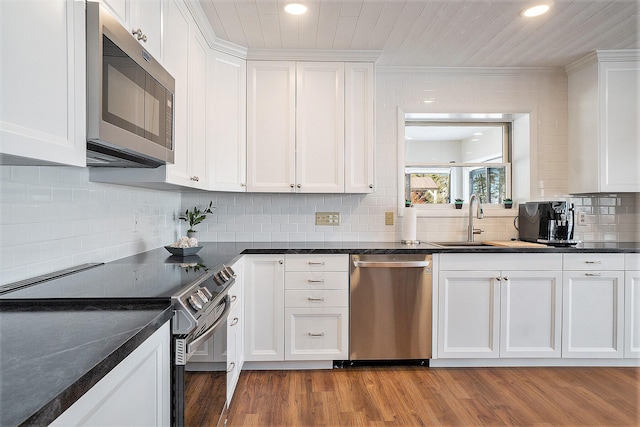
x=320 y=127
x=176 y=56
x=43 y=102
x=143 y=19
x=136 y=392
x=469 y=310
x=317 y=333
x=264 y=307
x=226 y=122
x=146 y=17
x=197 y=109
x=531 y=314
x=359 y=128
x=593 y=314
x=271 y=126
x=632 y=314
x=603 y=113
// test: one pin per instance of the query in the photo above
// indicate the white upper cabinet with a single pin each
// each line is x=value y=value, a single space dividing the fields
x=604 y=117
x=42 y=82
x=271 y=126
x=298 y=116
x=143 y=18
x=359 y=127
x=226 y=122
x=320 y=127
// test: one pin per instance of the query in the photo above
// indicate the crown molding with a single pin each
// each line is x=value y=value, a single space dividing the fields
x=614 y=55
x=469 y=70
x=313 y=55
x=212 y=40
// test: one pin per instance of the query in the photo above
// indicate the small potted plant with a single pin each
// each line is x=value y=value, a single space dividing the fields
x=508 y=203
x=195 y=217
x=458 y=203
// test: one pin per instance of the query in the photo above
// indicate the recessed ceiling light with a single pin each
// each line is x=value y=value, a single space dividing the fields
x=295 y=9
x=475 y=139
x=536 y=10
x=477 y=134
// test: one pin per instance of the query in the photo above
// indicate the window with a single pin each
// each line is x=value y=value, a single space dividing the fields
x=452 y=159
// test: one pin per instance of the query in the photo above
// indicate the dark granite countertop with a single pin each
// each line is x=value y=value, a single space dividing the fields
x=52 y=354
x=54 y=350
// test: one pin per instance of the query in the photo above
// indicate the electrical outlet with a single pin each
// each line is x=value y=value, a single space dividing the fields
x=582 y=218
x=328 y=218
x=388 y=218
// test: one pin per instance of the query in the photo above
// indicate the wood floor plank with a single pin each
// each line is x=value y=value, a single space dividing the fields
x=419 y=396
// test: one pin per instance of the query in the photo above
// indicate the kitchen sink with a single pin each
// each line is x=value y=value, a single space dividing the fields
x=461 y=244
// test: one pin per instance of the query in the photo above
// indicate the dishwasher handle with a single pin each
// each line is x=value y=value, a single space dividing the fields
x=391 y=264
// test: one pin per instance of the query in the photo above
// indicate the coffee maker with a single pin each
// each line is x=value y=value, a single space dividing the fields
x=548 y=222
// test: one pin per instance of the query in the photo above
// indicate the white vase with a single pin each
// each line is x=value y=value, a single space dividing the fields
x=191 y=234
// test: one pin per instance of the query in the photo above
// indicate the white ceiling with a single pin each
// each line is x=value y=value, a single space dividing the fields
x=434 y=33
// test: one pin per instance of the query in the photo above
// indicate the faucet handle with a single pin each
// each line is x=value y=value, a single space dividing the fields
x=477 y=231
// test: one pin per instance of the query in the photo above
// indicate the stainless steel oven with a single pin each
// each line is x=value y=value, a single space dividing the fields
x=129 y=98
x=200 y=317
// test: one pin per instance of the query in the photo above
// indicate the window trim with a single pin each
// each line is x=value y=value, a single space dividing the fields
x=526 y=144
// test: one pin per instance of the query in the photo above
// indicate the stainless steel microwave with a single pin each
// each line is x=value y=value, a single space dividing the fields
x=129 y=98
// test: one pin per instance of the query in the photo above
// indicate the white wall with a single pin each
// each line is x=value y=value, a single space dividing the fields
x=53 y=218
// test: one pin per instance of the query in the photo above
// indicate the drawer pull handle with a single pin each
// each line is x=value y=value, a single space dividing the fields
x=311 y=334
x=315 y=299
x=231 y=367
x=316 y=281
x=593 y=262
x=316 y=263
x=593 y=274
x=235 y=321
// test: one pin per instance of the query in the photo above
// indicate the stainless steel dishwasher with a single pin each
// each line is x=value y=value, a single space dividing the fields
x=390 y=307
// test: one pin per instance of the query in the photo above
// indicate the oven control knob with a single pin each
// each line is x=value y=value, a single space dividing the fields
x=230 y=271
x=207 y=293
x=224 y=276
x=195 y=302
x=202 y=296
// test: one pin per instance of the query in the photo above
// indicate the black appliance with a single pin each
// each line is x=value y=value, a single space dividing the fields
x=548 y=222
x=197 y=288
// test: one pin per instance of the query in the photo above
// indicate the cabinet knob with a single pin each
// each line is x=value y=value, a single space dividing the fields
x=137 y=33
x=370 y=185
x=499 y=279
x=234 y=322
x=280 y=262
x=299 y=186
x=291 y=185
x=231 y=367
x=195 y=178
x=505 y=278
x=242 y=184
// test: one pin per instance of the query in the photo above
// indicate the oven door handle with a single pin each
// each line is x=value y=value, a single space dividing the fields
x=192 y=346
x=391 y=264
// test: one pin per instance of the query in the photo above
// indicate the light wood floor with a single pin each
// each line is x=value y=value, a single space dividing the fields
x=417 y=396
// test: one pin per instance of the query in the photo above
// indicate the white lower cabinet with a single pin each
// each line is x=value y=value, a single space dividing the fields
x=264 y=307
x=531 y=314
x=632 y=314
x=469 y=309
x=297 y=308
x=136 y=392
x=493 y=312
x=593 y=316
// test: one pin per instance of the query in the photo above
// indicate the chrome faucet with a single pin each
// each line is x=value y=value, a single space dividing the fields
x=479 y=214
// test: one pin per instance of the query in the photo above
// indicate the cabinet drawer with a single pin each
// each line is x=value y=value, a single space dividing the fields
x=495 y=261
x=316 y=280
x=593 y=261
x=317 y=263
x=632 y=261
x=316 y=298
x=313 y=335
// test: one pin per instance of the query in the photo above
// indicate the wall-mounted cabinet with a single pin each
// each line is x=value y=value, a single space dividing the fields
x=43 y=83
x=298 y=116
x=143 y=19
x=604 y=117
